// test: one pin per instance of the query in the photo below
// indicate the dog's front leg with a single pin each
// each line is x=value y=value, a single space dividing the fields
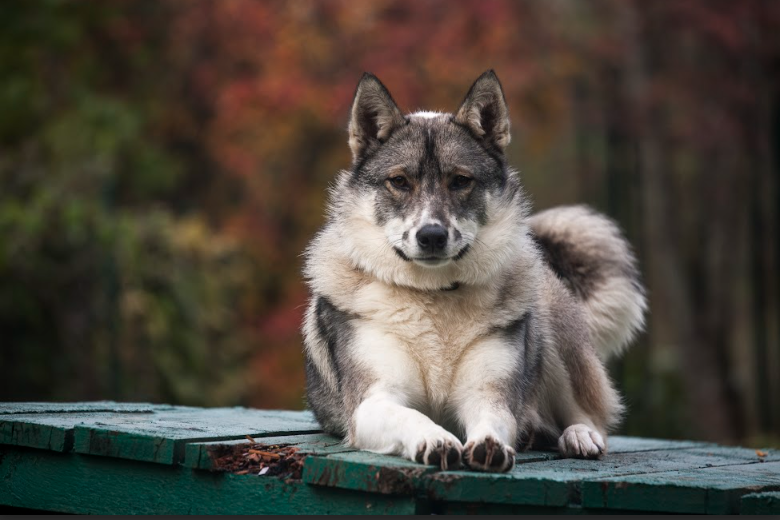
x=384 y=422
x=482 y=397
x=385 y=425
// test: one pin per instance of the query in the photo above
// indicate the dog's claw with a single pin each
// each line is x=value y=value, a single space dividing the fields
x=446 y=454
x=489 y=454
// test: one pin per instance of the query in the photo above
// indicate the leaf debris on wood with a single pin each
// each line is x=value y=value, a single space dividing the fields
x=274 y=460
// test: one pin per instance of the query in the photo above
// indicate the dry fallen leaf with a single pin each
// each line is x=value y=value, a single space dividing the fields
x=279 y=460
x=266 y=454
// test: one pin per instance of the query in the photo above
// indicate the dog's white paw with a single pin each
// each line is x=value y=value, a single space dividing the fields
x=438 y=447
x=489 y=454
x=582 y=442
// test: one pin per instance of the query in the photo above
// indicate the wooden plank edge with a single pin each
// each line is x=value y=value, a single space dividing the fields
x=681 y=493
x=330 y=471
x=505 y=489
x=766 y=503
x=40 y=436
x=33 y=408
x=72 y=483
x=145 y=448
x=197 y=454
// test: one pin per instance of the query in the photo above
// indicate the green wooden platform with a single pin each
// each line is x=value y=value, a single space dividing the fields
x=107 y=457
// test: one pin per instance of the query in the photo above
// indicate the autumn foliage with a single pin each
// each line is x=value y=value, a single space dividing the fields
x=164 y=163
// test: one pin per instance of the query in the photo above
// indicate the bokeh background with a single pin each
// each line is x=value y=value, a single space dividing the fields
x=164 y=163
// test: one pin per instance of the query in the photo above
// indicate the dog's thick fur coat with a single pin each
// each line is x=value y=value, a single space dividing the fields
x=445 y=323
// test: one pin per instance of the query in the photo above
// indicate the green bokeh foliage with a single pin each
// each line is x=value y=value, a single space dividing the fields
x=101 y=296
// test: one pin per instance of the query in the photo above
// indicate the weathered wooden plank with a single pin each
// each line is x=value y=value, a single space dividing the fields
x=475 y=508
x=72 y=483
x=524 y=457
x=51 y=431
x=365 y=471
x=158 y=435
x=620 y=444
x=558 y=482
x=760 y=504
x=508 y=488
x=162 y=437
x=358 y=471
x=87 y=407
x=739 y=454
x=55 y=437
x=545 y=491
x=197 y=454
x=638 y=474
x=711 y=490
x=50 y=425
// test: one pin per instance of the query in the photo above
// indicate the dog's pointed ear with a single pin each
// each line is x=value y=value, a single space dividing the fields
x=484 y=111
x=374 y=116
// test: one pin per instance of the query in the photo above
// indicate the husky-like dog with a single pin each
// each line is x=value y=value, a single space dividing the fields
x=445 y=323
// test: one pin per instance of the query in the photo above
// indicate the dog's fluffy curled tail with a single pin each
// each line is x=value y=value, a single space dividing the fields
x=589 y=253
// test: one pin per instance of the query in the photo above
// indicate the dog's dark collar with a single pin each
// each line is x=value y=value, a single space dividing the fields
x=453 y=287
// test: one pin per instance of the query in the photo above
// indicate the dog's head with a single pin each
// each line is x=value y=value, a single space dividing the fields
x=429 y=201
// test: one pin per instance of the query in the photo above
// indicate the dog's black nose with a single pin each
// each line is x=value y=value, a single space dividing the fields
x=432 y=238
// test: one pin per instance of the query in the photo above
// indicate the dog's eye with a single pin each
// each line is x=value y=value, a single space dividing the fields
x=399 y=182
x=460 y=182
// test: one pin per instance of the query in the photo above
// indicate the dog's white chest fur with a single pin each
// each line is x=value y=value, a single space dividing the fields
x=434 y=328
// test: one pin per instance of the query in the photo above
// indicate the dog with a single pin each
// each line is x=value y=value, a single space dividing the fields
x=446 y=324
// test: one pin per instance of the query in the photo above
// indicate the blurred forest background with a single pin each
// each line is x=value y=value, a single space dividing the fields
x=163 y=165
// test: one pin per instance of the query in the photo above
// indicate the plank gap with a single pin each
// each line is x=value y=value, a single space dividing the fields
x=180 y=446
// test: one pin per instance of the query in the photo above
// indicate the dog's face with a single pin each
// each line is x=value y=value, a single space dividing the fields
x=431 y=181
x=425 y=187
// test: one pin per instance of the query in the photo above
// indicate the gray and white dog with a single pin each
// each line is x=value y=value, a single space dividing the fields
x=445 y=323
